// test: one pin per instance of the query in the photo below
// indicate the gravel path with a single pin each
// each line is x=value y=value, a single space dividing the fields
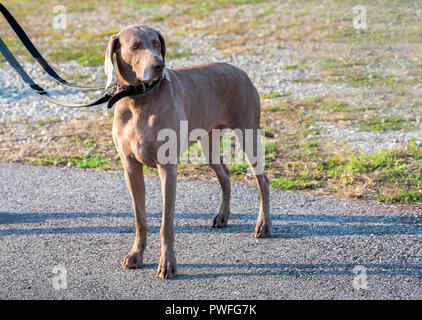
x=82 y=220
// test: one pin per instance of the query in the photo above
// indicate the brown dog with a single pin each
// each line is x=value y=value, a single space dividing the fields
x=208 y=96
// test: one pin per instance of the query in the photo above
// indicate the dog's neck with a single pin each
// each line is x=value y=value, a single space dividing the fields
x=143 y=90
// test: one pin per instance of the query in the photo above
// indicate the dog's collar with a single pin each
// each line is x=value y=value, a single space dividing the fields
x=134 y=92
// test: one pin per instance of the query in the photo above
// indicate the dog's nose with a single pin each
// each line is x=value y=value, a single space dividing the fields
x=158 y=65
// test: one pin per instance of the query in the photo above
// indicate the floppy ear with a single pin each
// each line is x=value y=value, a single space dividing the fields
x=109 y=63
x=163 y=54
x=163 y=45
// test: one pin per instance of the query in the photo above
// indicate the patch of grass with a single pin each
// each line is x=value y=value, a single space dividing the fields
x=281 y=183
x=313 y=99
x=295 y=67
x=313 y=144
x=364 y=79
x=45 y=121
x=336 y=106
x=268 y=12
x=157 y=18
x=98 y=35
x=306 y=80
x=91 y=60
x=239 y=168
x=334 y=65
x=389 y=176
x=271 y=149
x=178 y=54
x=149 y=170
x=395 y=195
x=90 y=55
x=276 y=108
x=379 y=124
x=84 y=141
x=88 y=160
x=353 y=73
x=270 y=95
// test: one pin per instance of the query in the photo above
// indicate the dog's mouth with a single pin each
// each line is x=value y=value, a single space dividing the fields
x=151 y=82
x=149 y=76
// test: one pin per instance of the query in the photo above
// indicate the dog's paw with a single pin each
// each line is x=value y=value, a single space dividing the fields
x=167 y=267
x=262 y=230
x=220 y=221
x=133 y=260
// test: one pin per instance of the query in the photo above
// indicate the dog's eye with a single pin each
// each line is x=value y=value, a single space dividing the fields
x=136 y=46
x=156 y=44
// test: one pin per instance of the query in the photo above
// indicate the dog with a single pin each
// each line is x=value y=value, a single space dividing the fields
x=207 y=96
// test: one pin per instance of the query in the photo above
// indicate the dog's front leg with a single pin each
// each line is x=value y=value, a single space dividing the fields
x=167 y=267
x=134 y=177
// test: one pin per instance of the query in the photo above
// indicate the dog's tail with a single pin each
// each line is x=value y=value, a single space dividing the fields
x=268 y=134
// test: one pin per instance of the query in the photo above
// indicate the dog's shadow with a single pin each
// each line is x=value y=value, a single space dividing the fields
x=286 y=226
x=295 y=226
x=219 y=270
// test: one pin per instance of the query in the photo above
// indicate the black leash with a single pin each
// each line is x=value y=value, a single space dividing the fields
x=36 y=54
x=43 y=93
x=126 y=91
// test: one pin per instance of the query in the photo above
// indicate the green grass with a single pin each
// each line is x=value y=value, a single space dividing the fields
x=399 y=195
x=178 y=54
x=306 y=80
x=354 y=73
x=394 y=176
x=364 y=79
x=270 y=95
x=87 y=141
x=237 y=169
x=276 y=108
x=282 y=183
x=295 y=67
x=45 y=121
x=88 y=160
x=313 y=99
x=90 y=54
x=379 y=124
x=89 y=60
x=336 y=106
x=149 y=170
x=335 y=65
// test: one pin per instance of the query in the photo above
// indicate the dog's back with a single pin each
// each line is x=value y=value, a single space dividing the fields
x=218 y=88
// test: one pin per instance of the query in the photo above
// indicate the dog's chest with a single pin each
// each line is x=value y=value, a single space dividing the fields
x=137 y=136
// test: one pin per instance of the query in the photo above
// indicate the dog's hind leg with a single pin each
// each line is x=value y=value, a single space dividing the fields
x=223 y=175
x=252 y=147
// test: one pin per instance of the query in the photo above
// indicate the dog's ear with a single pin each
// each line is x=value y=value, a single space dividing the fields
x=163 y=45
x=163 y=54
x=109 y=62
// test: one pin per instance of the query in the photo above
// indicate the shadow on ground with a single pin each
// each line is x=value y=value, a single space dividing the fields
x=306 y=224
x=306 y=227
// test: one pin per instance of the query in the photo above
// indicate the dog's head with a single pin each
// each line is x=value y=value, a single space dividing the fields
x=140 y=55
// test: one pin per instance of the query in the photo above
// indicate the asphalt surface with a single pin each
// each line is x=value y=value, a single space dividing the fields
x=64 y=233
